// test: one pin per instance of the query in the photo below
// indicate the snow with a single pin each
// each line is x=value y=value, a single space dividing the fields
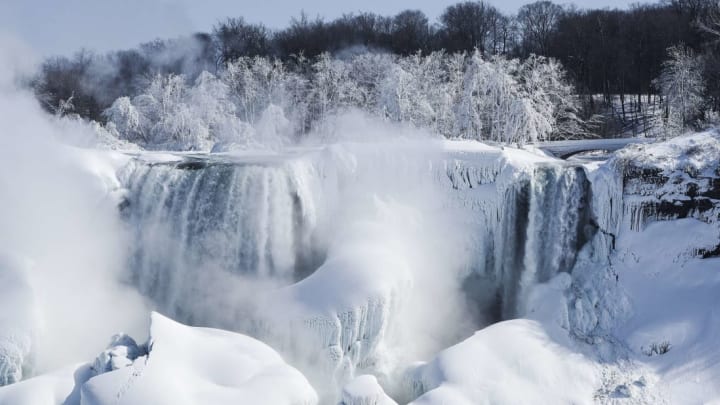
x=184 y=365
x=59 y=387
x=196 y=365
x=694 y=151
x=356 y=260
x=570 y=147
x=510 y=362
x=365 y=390
x=674 y=296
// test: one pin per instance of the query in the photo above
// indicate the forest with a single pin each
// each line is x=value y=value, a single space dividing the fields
x=548 y=72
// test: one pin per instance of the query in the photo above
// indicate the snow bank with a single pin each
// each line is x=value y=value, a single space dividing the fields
x=674 y=295
x=691 y=152
x=511 y=362
x=178 y=365
x=365 y=390
x=59 y=387
x=188 y=365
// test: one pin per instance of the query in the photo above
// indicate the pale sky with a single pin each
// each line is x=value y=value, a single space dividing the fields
x=64 y=26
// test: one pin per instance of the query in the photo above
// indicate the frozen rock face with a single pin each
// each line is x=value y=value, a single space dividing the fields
x=674 y=179
x=121 y=352
x=365 y=390
x=186 y=365
x=641 y=185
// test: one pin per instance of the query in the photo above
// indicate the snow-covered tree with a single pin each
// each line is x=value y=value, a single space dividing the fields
x=126 y=120
x=681 y=85
x=261 y=100
x=331 y=88
x=546 y=86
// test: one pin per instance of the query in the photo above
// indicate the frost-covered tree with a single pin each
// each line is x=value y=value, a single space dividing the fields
x=261 y=100
x=681 y=85
x=126 y=120
x=545 y=84
x=368 y=71
x=493 y=106
x=331 y=88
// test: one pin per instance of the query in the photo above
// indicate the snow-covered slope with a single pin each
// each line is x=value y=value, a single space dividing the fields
x=187 y=365
x=180 y=365
x=667 y=264
x=511 y=362
x=635 y=321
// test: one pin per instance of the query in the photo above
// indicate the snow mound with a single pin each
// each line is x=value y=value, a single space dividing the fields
x=694 y=152
x=365 y=390
x=511 y=362
x=676 y=326
x=178 y=365
x=60 y=387
x=187 y=365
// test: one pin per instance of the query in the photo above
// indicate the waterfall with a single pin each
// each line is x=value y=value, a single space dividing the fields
x=207 y=229
x=191 y=220
x=558 y=223
x=544 y=220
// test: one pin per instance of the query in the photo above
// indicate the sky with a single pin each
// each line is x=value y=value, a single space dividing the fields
x=60 y=27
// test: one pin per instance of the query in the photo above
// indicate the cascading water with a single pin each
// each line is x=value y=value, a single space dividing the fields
x=559 y=224
x=207 y=227
x=196 y=220
x=539 y=223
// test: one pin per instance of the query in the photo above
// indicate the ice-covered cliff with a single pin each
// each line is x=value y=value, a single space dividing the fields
x=634 y=321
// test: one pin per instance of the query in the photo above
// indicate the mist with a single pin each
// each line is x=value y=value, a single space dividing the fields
x=62 y=239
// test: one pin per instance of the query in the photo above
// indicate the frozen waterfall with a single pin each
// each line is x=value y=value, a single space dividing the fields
x=204 y=225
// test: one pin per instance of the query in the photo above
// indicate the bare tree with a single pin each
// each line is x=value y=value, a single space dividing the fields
x=410 y=32
x=710 y=22
x=468 y=25
x=538 y=22
x=235 y=38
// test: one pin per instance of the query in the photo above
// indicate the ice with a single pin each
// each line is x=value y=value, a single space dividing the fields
x=365 y=390
x=355 y=260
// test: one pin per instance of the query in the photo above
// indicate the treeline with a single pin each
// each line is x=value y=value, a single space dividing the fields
x=605 y=52
x=257 y=101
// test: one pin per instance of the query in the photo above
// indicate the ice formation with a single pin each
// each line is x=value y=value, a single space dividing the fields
x=326 y=236
x=365 y=390
x=336 y=256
